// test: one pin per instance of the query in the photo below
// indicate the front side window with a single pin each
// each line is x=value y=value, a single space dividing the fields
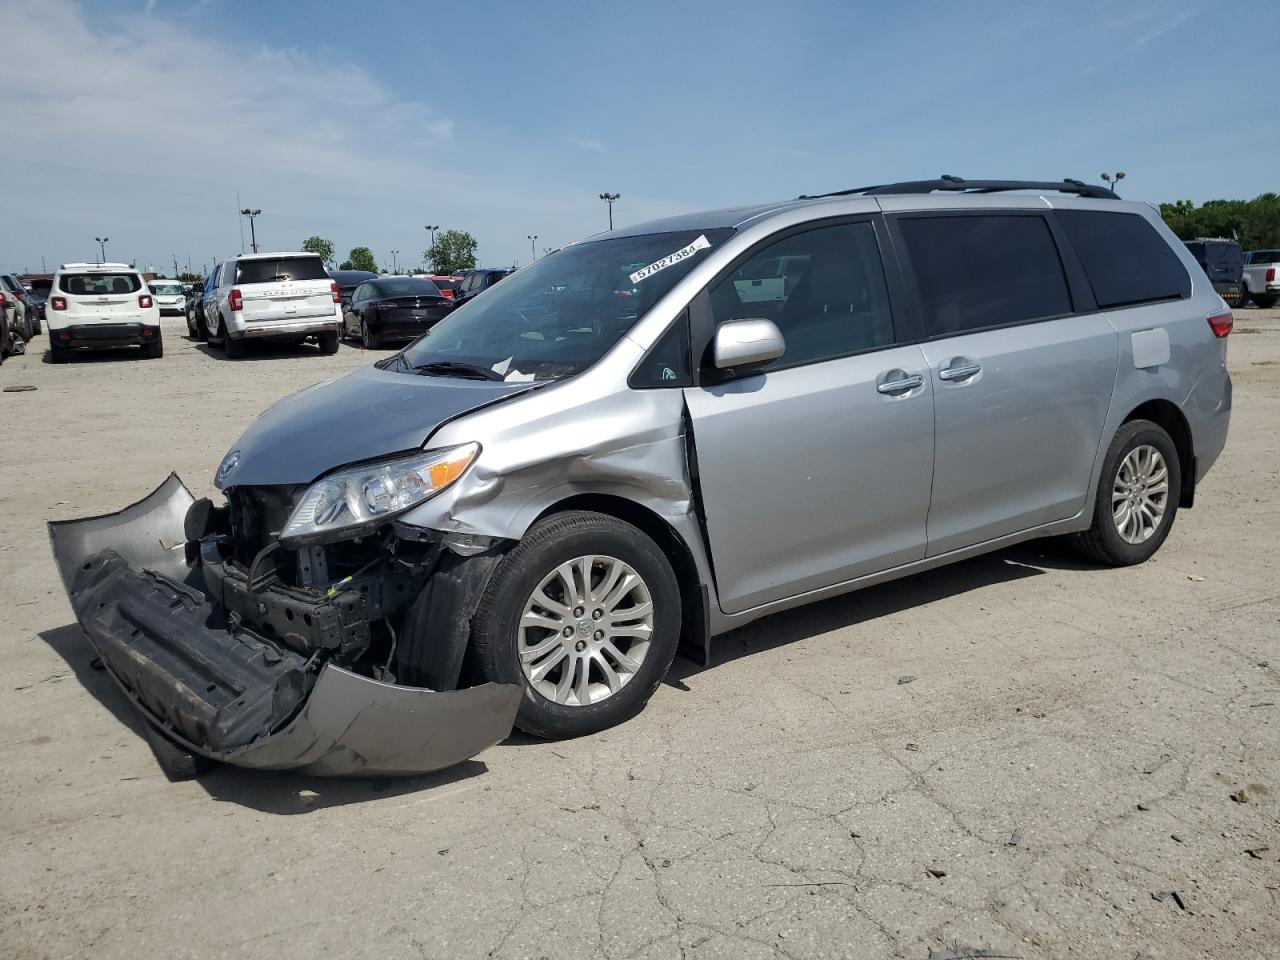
x=981 y=271
x=1127 y=261
x=559 y=315
x=100 y=284
x=824 y=289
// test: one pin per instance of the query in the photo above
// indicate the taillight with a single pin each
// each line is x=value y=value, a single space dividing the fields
x=1271 y=275
x=448 y=294
x=1221 y=324
x=58 y=303
x=235 y=300
x=337 y=294
x=145 y=301
x=3 y=299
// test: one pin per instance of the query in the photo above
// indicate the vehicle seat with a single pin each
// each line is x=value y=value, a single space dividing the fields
x=834 y=310
x=119 y=285
x=77 y=287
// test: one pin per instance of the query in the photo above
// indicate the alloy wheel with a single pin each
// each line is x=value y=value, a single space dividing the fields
x=1140 y=494
x=585 y=630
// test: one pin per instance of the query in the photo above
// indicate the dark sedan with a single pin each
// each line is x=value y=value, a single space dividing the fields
x=348 y=280
x=393 y=308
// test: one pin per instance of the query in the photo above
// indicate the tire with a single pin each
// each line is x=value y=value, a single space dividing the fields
x=234 y=349
x=328 y=342
x=1265 y=300
x=202 y=331
x=58 y=354
x=370 y=339
x=155 y=349
x=1244 y=295
x=1103 y=542
x=496 y=634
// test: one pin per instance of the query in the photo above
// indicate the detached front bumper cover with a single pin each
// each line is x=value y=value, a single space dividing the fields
x=236 y=697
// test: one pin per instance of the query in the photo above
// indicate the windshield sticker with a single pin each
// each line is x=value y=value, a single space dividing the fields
x=671 y=259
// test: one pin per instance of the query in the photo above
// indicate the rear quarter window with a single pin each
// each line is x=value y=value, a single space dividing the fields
x=280 y=270
x=1127 y=261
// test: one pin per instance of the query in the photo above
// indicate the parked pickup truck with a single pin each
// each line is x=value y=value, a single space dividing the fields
x=1262 y=276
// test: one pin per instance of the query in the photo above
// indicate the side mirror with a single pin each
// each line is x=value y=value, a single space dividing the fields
x=742 y=344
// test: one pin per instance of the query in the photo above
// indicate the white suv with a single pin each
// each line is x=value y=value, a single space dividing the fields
x=170 y=297
x=281 y=296
x=94 y=305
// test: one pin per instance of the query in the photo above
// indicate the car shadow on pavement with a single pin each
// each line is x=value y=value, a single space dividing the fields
x=105 y=355
x=862 y=606
x=278 y=792
x=261 y=351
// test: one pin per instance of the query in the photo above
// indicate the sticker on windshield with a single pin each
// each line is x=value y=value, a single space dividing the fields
x=684 y=253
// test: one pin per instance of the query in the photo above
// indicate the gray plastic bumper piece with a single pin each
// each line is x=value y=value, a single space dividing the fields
x=348 y=725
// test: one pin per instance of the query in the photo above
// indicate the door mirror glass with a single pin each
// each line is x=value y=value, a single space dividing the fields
x=742 y=344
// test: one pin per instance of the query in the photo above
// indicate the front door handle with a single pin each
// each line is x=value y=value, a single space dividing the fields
x=900 y=385
x=959 y=371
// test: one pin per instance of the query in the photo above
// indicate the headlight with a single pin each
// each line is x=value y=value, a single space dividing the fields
x=369 y=495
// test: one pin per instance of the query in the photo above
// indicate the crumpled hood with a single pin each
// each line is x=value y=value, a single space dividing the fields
x=366 y=414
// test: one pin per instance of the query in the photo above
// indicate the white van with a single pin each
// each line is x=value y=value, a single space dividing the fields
x=281 y=296
x=97 y=305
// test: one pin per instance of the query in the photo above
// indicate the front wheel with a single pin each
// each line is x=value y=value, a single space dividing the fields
x=1265 y=301
x=584 y=613
x=1137 y=496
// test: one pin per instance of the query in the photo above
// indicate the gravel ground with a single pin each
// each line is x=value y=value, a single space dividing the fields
x=1066 y=754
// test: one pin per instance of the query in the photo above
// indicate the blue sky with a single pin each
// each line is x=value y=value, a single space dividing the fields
x=364 y=121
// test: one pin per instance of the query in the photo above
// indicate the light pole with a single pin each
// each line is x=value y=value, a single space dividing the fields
x=395 y=264
x=1114 y=180
x=253 y=233
x=609 y=198
x=533 y=246
x=433 y=227
x=102 y=247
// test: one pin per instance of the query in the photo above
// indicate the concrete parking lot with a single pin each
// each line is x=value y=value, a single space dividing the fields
x=1021 y=753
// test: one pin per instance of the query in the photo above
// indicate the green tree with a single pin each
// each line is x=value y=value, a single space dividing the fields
x=1255 y=223
x=321 y=246
x=360 y=258
x=453 y=251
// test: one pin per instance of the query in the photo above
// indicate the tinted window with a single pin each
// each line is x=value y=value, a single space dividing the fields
x=974 y=272
x=825 y=290
x=408 y=287
x=1126 y=260
x=98 y=284
x=280 y=269
x=1264 y=256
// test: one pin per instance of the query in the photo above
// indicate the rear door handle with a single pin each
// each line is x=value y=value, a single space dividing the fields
x=900 y=385
x=960 y=372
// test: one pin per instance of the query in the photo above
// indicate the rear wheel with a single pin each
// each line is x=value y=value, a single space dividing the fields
x=58 y=354
x=584 y=613
x=234 y=349
x=1137 y=496
x=1265 y=301
x=154 y=349
x=370 y=339
x=328 y=342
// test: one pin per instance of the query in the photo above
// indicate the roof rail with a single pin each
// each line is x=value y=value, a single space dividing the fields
x=949 y=184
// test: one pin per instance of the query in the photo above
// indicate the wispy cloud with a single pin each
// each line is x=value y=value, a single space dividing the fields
x=1158 y=29
x=586 y=143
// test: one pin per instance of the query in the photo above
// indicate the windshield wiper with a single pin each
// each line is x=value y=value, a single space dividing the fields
x=452 y=368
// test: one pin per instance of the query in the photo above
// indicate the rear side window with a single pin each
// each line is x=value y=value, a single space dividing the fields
x=1264 y=256
x=1126 y=260
x=974 y=272
x=99 y=284
x=280 y=269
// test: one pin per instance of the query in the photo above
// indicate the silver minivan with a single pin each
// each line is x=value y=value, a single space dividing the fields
x=647 y=439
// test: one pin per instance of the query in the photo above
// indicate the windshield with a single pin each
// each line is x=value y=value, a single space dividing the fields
x=560 y=314
x=407 y=288
x=166 y=289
